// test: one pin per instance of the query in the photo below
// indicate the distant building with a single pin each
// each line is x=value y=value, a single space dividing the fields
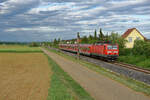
x=131 y=35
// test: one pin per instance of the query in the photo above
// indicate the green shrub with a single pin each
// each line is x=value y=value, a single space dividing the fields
x=141 y=48
x=33 y=44
x=124 y=52
x=132 y=59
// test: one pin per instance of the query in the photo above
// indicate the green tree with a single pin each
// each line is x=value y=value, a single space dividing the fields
x=55 y=41
x=33 y=44
x=107 y=37
x=78 y=35
x=90 y=37
x=84 y=39
x=101 y=35
x=121 y=42
x=95 y=35
x=141 y=48
x=114 y=37
x=59 y=40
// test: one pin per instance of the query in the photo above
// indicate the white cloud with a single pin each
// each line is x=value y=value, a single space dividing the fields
x=51 y=7
x=39 y=29
x=14 y=5
x=66 y=17
x=86 y=12
x=124 y=3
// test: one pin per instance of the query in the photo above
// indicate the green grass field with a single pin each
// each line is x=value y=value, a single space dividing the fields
x=18 y=48
x=131 y=83
x=139 y=61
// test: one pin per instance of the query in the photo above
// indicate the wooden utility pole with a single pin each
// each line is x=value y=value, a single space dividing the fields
x=78 y=43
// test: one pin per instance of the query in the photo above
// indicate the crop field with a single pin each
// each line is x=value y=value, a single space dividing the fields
x=24 y=76
x=18 y=48
x=26 y=73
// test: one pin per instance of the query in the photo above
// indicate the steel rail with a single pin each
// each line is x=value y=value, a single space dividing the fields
x=133 y=67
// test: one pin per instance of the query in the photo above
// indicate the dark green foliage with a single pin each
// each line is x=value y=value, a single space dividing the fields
x=125 y=51
x=14 y=43
x=101 y=35
x=107 y=37
x=59 y=40
x=46 y=43
x=121 y=42
x=115 y=38
x=84 y=40
x=141 y=60
x=139 y=55
x=78 y=35
x=95 y=35
x=33 y=44
x=141 y=48
x=55 y=43
x=90 y=37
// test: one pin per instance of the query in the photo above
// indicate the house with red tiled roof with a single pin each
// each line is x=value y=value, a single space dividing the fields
x=131 y=35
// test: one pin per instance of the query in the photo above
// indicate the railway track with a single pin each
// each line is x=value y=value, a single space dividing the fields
x=133 y=67
x=120 y=68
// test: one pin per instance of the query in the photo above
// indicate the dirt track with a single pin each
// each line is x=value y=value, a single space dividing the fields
x=24 y=76
x=99 y=86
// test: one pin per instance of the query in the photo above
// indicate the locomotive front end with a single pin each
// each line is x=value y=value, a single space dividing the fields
x=112 y=51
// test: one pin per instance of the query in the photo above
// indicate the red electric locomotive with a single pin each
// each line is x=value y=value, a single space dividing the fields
x=104 y=50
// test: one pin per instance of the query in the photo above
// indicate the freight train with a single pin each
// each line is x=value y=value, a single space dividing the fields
x=104 y=50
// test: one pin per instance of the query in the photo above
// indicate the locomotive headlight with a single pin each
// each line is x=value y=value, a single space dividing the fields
x=115 y=51
x=109 y=51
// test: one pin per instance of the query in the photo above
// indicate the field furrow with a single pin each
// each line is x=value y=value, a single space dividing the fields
x=24 y=76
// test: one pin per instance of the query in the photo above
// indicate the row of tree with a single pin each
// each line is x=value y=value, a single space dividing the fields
x=94 y=38
x=140 y=47
x=91 y=39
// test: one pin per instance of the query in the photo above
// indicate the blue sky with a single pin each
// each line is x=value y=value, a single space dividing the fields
x=44 y=20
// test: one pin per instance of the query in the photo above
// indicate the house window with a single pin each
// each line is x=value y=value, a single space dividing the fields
x=130 y=39
x=138 y=38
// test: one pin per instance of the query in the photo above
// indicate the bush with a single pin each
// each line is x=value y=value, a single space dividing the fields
x=140 y=61
x=33 y=44
x=141 y=48
x=132 y=59
x=125 y=51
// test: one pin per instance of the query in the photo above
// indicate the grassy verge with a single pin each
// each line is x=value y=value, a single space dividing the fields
x=18 y=49
x=133 y=84
x=63 y=87
x=139 y=61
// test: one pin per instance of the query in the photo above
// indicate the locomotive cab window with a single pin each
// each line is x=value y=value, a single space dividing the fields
x=109 y=47
x=115 y=47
